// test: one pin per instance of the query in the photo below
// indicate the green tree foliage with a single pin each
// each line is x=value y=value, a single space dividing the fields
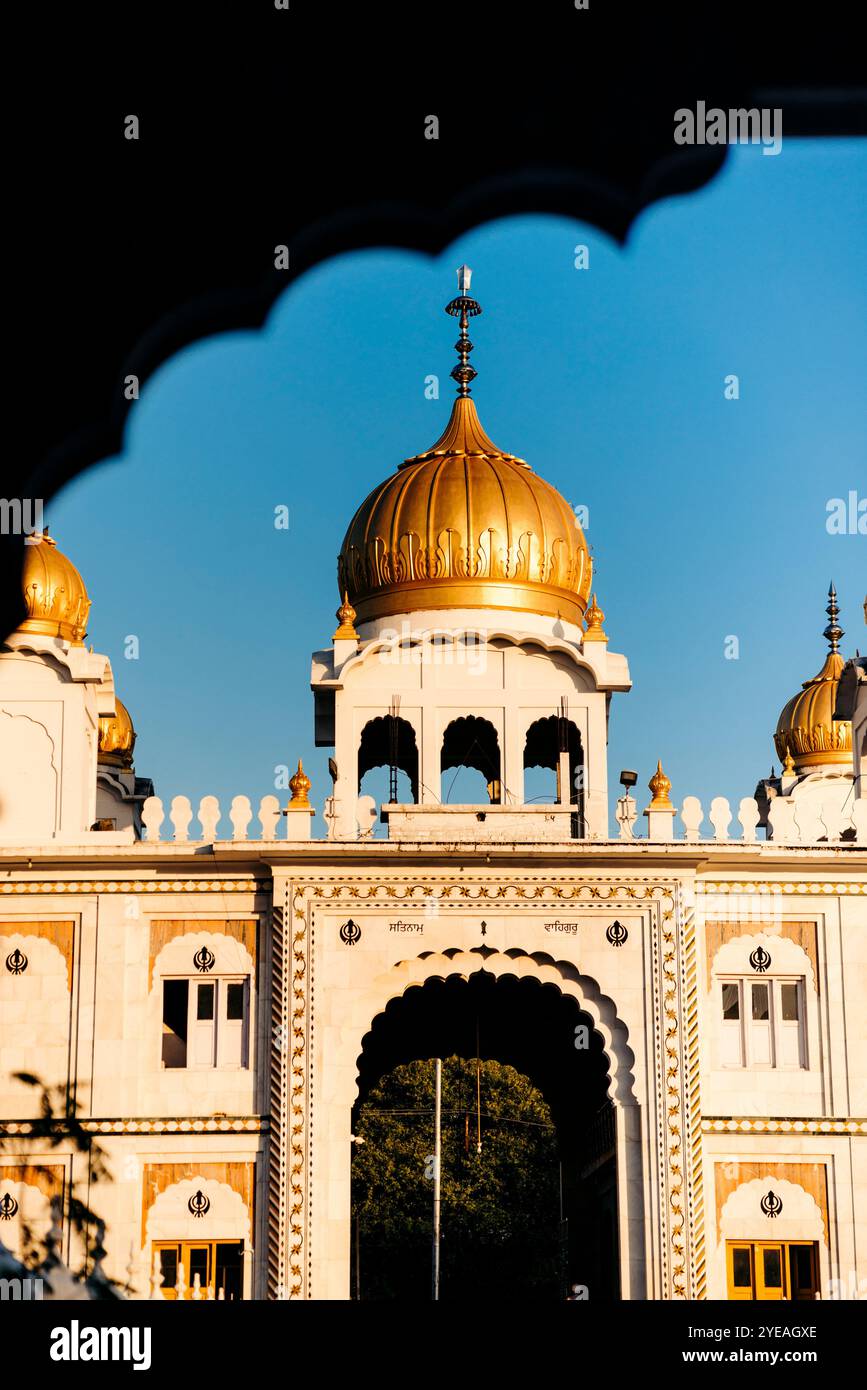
x=500 y=1207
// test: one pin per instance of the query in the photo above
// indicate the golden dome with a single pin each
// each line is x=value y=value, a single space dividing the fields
x=465 y=525
x=117 y=737
x=807 y=729
x=54 y=592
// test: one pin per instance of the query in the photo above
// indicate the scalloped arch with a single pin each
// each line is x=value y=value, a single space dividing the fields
x=457 y=963
x=377 y=645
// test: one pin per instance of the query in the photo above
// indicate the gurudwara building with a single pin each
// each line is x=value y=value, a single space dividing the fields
x=214 y=1004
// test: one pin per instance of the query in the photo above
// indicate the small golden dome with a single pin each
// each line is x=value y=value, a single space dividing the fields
x=346 y=616
x=465 y=525
x=299 y=785
x=807 y=729
x=660 y=786
x=54 y=592
x=594 y=618
x=117 y=737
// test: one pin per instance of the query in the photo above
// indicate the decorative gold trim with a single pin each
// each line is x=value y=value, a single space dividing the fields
x=692 y=1063
x=732 y=1124
x=799 y=889
x=298 y=1165
x=189 y=885
x=183 y=1124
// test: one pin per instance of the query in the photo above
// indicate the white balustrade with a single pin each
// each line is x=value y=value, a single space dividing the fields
x=240 y=814
x=720 y=817
x=748 y=815
x=180 y=816
x=152 y=815
x=209 y=817
x=692 y=816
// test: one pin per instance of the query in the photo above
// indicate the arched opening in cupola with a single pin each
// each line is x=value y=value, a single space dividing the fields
x=554 y=758
x=471 y=751
x=388 y=760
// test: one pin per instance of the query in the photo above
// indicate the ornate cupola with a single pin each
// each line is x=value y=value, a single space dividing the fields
x=468 y=683
x=464 y=524
x=807 y=732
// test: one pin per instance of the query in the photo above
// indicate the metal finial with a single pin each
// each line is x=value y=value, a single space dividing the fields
x=464 y=308
x=833 y=632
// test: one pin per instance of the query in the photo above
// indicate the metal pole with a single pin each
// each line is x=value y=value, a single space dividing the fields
x=435 y=1270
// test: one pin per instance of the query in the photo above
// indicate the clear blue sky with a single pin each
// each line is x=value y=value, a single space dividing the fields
x=707 y=516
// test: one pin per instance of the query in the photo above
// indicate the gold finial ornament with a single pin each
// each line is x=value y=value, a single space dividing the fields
x=346 y=616
x=299 y=785
x=464 y=308
x=660 y=786
x=117 y=737
x=789 y=764
x=54 y=592
x=806 y=729
x=465 y=525
x=594 y=618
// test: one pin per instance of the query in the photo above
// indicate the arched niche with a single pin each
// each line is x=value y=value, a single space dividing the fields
x=385 y=741
x=471 y=742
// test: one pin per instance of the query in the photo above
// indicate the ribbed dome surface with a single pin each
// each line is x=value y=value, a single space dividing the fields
x=54 y=592
x=807 y=728
x=465 y=525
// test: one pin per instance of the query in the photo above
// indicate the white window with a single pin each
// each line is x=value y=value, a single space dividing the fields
x=763 y=1023
x=205 y=1022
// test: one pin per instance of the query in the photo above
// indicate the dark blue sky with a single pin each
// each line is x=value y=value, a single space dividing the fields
x=707 y=515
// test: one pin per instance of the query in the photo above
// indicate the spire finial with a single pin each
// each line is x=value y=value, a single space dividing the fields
x=833 y=632
x=464 y=308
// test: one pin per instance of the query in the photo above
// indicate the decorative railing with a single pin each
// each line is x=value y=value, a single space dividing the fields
x=208 y=815
x=810 y=821
x=790 y=821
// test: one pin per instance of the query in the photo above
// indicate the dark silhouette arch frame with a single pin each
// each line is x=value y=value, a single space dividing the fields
x=179 y=230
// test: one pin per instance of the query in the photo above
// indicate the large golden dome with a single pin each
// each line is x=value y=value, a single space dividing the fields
x=54 y=593
x=117 y=737
x=807 y=728
x=465 y=525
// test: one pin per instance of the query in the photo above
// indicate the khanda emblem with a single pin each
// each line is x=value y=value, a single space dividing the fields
x=16 y=962
x=350 y=932
x=771 y=1204
x=760 y=960
x=199 y=1204
x=8 y=1207
x=617 y=934
x=204 y=959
